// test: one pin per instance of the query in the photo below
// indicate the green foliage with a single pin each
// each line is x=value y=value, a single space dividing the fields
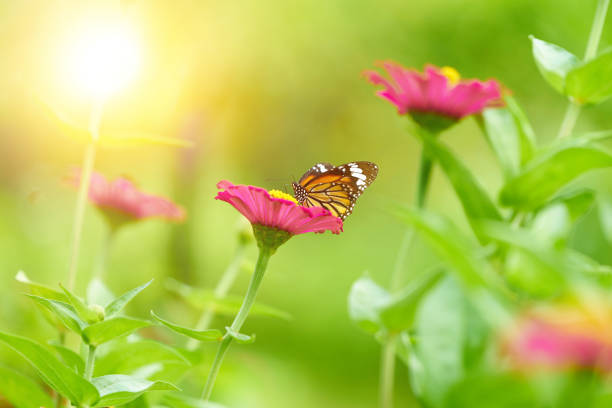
x=21 y=391
x=510 y=136
x=240 y=338
x=110 y=329
x=437 y=360
x=85 y=313
x=120 y=389
x=554 y=63
x=475 y=201
x=201 y=335
x=375 y=310
x=591 y=81
x=69 y=357
x=59 y=376
x=365 y=300
x=115 y=306
x=132 y=355
x=457 y=250
x=548 y=172
x=64 y=312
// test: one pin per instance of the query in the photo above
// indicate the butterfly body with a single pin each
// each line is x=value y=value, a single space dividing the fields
x=335 y=188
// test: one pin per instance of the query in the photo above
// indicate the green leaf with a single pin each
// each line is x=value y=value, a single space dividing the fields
x=503 y=137
x=399 y=313
x=476 y=203
x=577 y=201
x=63 y=311
x=366 y=299
x=117 y=305
x=21 y=391
x=553 y=62
x=530 y=276
x=240 y=337
x=604 y=211
x=80 y=307
x=549 y=172
x=39 y=289
x=201 y=335
x=525 y=131
x=552 y=225
x=69 y=357
x=110 y=329
x=537 y=269
x=59 y=377
x=120 y=389
x=437 y=359
x=463 y=258
x=591 y=82
x=126 y=357
x=176 y=400
x=509 y=134
x=205 y=299
x=451 y=244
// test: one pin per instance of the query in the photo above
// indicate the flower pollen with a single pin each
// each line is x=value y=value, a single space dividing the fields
x=452 y=74
x=282 y=195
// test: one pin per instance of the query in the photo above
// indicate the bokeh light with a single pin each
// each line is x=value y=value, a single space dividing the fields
x=104 y=57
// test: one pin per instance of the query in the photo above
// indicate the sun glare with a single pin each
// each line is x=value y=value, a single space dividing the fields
x=104 y=58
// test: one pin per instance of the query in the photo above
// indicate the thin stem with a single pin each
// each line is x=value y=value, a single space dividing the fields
x=424 y=176
x=79 y=212
x=247 y=303
x=89 y=364
x=573 y=110
x=596 y=29
x=569 y=120
x=223 y=286
x=387 y=372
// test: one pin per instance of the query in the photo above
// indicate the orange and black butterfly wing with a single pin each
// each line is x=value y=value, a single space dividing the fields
x=335 y=188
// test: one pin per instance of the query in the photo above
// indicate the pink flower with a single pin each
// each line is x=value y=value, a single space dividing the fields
x=276 y=216
x=562 y=339
x=121 y=201
x=437 y=91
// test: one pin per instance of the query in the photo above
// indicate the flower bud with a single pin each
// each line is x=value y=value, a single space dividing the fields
x=99 y=311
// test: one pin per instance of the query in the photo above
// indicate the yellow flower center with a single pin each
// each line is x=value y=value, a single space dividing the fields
x=452 y=74
x=280 y=194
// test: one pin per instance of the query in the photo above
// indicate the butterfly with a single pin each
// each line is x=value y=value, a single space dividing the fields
x=334 y=188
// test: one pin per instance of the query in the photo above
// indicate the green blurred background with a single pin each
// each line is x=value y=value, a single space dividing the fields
x=265 y=89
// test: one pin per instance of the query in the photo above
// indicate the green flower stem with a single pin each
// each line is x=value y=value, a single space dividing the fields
x=596 y=29
x=387 y=364
x=223 y=286
x=387 y=372
x=79 y=212
x=573 y=110
x=569 y=120
x=247 y=303
x=89 y=364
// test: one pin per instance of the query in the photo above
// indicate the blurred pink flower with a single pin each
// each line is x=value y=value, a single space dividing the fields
x=562 y=338
x=437 y=91
x=274 y=212
x=121 y=201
